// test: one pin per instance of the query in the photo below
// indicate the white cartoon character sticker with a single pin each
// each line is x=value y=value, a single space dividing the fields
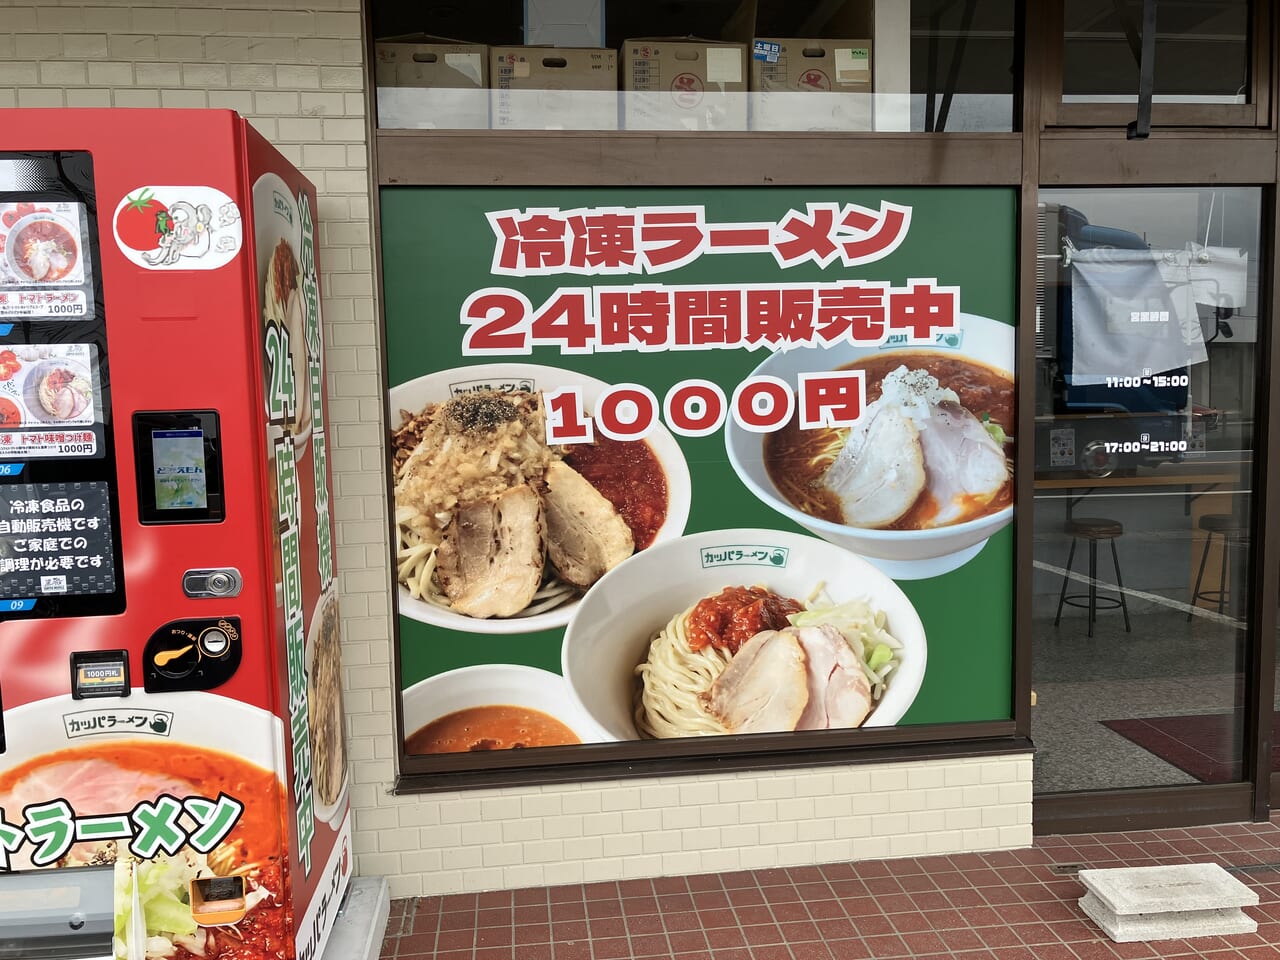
x=178 y=228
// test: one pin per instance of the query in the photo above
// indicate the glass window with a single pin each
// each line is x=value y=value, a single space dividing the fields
x=962 y=66
x=1146 y=352
x=717 y=65
x=1202 y=51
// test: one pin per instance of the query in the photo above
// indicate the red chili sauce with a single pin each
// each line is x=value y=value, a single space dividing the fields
x=265 y=932
x=735 y=615
x=628 y=475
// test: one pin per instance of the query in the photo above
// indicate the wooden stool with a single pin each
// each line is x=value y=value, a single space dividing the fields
x=1232 y=532
x=1093 y=529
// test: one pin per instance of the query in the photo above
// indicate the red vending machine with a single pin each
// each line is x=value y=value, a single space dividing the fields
x=173 y=776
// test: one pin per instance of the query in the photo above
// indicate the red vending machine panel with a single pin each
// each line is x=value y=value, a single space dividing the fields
x=173 y=774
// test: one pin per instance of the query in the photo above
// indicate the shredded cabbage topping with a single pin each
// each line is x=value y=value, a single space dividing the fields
x=864 y=630
x=164 y=899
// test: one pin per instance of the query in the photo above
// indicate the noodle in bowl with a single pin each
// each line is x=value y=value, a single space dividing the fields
x=554 y=603
x=637 y=616
x=979 y=343
x=323 y=660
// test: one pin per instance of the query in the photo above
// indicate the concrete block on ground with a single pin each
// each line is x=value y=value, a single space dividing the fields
x=1167 y=902
x=362 y=921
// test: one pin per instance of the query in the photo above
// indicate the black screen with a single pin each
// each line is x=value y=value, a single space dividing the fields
x=60 y=551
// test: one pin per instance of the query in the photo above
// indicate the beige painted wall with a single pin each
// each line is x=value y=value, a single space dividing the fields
x=294 y=69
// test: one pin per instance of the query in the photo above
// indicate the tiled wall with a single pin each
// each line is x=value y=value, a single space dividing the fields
x=295 y=70
x=481 y=840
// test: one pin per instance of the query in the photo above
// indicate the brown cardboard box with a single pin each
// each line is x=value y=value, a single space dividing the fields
x=440 y=86
x=811 y=84
x=684 y=84
x=553 y=88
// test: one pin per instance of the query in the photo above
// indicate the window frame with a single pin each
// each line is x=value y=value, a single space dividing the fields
x=1256 y=113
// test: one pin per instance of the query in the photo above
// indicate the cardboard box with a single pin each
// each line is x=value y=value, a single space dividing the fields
x=684 y=84
x=553 y=88
x=811 y=84
x=441 y=86
x=564 y=23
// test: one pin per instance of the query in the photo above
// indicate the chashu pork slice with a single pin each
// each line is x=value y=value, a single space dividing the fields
x=764 y=689
x=586 y=536
x=880 y=472
x=963 y=461
x=489 y=563
x=839 y=692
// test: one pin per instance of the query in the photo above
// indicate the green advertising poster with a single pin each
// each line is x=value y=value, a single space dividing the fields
x=675 y=462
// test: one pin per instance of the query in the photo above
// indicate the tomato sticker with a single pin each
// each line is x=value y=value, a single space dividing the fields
x=139 y=223
x=178 y=228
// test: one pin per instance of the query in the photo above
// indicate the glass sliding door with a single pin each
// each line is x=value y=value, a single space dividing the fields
x=1146 y=358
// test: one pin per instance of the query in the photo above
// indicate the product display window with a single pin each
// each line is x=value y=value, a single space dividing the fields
x=872 y=66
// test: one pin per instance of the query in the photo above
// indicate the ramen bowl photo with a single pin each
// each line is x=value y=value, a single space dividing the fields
x=743 y=631
x=59 y=391
x=177 y=751
x=493 y=706
x=924 y=478
x=42 y=248
x=500 y=532
x=323 y=663
x=278 y=239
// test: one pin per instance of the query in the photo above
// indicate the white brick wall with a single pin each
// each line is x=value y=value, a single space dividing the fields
x=294 y=69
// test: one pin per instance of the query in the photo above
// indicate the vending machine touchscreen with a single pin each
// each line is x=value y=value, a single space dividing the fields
x=173 y=769
x=179 y=463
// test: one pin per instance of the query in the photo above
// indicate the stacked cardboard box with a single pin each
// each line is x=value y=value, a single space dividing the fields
x=553 y=88
x=806 y=71
x=751 y=78
x=432 y=84
x=811 y=84
x=684 y=84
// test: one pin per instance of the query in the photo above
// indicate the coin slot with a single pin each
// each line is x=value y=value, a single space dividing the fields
x=215 y=642
x=195 y=654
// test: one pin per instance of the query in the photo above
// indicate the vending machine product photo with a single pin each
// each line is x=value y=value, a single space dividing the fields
x=173 y=768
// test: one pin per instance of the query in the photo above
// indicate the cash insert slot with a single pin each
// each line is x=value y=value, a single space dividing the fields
x=99 y=673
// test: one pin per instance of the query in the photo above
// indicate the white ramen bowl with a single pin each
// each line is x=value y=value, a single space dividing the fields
x=12 y=247
x=35 y=376
x=331 y=813
x=610 y=635
x=270 y=193
x=415 y=394
x=903 y=554
x=494 y=684
x=198 y=719
x=191 y=720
